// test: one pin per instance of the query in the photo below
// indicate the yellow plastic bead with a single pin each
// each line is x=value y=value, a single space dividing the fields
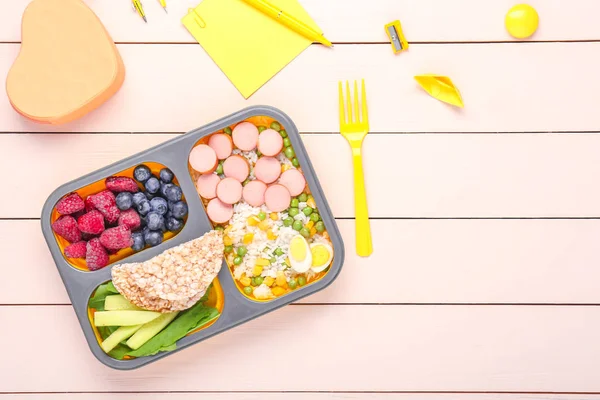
x=262 y=261
x=269 y=281
x=257 y=270
x=281 y=281
x=227 y=241
x=313 y=231
x=244 y=280
x=311 y=202
x=310 y=224
x=252 y=220
x=522 y=21
x=271 y=235
x=278 y=291
x=263 y=225
x=274 y=216
x=248 y=237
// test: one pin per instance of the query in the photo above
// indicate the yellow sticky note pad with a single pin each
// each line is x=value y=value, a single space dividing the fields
x=247 y=45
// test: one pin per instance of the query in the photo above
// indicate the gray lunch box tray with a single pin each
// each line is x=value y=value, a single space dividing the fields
x=174 y=154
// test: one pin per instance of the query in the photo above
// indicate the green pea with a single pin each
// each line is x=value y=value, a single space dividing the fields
x=314 y=217
x=245 y=182
x=275 y=125
x=259 y=280
x=303 y=197
x=237 y=260
x=293 y=211
x=288 y=221
x=292 y=283
x=297 y=225
x=228 y=249
x=253 y=282
x=286 y=142
x=305 y=232
x=219 y=228
x=301 y=280
x=241 y=251
x=283 y=133
x=262 y=216
x=261 y=128
x=219 y=169
x=248 y=290
x=307 y=211
x=289 y=152
x=295 y=162
x=294 y=203
x=258 y=153
x=320 y=226
x=272 y=260
x=278 y=252
x=227 y=130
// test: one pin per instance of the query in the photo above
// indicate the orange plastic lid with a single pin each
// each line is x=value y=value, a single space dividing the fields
x=68 y=64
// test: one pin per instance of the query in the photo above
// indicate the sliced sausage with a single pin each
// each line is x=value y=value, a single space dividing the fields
x=277 y=198
x=219 y=212
x=254 y=193
x=203 y=159
x=236 y=167
x=270 y=142
x=207 y=185
x=267 y=169
x=245 y=136
x=222 y=145
x=294 y=181
x=229 y=191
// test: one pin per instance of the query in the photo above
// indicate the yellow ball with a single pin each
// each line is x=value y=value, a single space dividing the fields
x=522 y=21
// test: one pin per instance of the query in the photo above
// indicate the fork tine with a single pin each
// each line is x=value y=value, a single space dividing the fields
x=365 y=113
x=342 y=114
x=356 y=113
x=349 y=102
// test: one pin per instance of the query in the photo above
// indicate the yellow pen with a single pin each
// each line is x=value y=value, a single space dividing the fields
x=298 y=26
x=163 y=3
x=137 y=5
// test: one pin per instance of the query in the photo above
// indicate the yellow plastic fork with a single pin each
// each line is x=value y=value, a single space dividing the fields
x=354 y=130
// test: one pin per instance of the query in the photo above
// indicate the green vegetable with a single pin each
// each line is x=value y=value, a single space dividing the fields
x=286 y=142
x=261 y=128
x=303 y=197
x=253 y=281
x=219 y=169
x=295 y=162
x=245 y=182
x=294 y=203
x=241 y=251
x=292 y=283
x=117 y=302
x=315 y=217
x=118 y=336
x=320 y=226
x=293 y=211
x=258 y=153
x=262 y=216
x=297 y=225
x=272 y=260
x=227 y=130
x=248 y=290
x=275 y=125
x=283 y=133
x=149 y=330
x=228 y=249
x=259 y=280
x=237 y=260
x=278 y=252
x=124 y=318
x=289 y=152
x=288 y=221
x=301 y=280
x=305 y=232
x=219 y=228
x=307 y=211
x=97 y=300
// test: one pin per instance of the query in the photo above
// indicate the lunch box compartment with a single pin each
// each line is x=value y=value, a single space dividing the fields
x=236 y=307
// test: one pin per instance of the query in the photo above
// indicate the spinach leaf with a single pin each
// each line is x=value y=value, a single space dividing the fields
x=97 y=300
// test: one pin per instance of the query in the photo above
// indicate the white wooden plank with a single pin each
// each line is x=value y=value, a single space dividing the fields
x=296 y=396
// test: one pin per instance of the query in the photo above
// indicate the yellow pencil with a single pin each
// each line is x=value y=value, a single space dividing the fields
x=298 y=26
x=137 y=5
x=163 y=3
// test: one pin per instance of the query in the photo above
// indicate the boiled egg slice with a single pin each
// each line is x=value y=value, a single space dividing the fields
x=322 y=255
x=299 y=254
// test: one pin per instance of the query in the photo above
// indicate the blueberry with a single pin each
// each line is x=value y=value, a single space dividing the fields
x=152 y=185
x=143 y=208
x=159 y=205
x=153 y=238
x=179 y=210
x=163 y=226
x=163 y=189
x=138 y=241
x=141 y=173
x=166 y=175
x=154 y=221
x=150 y=196
x=173 y=193
x=138 y=198
x=145 y=231
x=124 y=201
x=174 y=224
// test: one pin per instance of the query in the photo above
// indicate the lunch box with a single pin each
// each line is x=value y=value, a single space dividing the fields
x=236 y=308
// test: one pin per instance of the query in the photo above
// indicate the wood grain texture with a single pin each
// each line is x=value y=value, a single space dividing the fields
x=331 y=348
x=352 y=20
x=415 y=261
x=505 y=87
x=477 y=175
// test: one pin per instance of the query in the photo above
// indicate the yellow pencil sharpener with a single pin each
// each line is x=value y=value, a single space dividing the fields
x=396 y=36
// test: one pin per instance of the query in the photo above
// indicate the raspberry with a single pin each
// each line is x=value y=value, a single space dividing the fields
x=66 y=227
x=105 y=203
x=116 y=238
x=121 y=184
x=95 y=255
x=70 y=204
x=130 y=219
x=92 y=222
x=76 y=250
x=88 y=204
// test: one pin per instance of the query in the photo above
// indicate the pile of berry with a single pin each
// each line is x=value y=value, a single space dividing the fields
x=129 y=213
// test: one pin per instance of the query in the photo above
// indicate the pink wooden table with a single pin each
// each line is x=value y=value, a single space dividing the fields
x=484 y=280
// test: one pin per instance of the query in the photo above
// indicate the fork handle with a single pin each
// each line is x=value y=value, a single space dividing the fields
x=364 y=245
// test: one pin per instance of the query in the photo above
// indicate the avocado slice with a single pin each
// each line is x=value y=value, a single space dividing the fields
x=119 y=302
x=124 y=318
x=149 y=330
x=118 y=336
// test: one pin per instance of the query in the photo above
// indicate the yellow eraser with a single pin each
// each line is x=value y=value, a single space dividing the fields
x=396 y=36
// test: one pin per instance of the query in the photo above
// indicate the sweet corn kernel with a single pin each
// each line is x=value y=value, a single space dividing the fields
x=280 y=280
x=310 y=224
x=252 y=220
x=227 y=230
x=278 y=291
x=271 y=235
x=244 y=280
x=311 y=202
x=248 y=237
x=227 y=241
x=326 y=235
x=287 y=262
x=313 y=231
x=269 y=281
x=263 y=225
x=285 y=167
x=274 y=216
x=262 y=261
x=257 y=270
